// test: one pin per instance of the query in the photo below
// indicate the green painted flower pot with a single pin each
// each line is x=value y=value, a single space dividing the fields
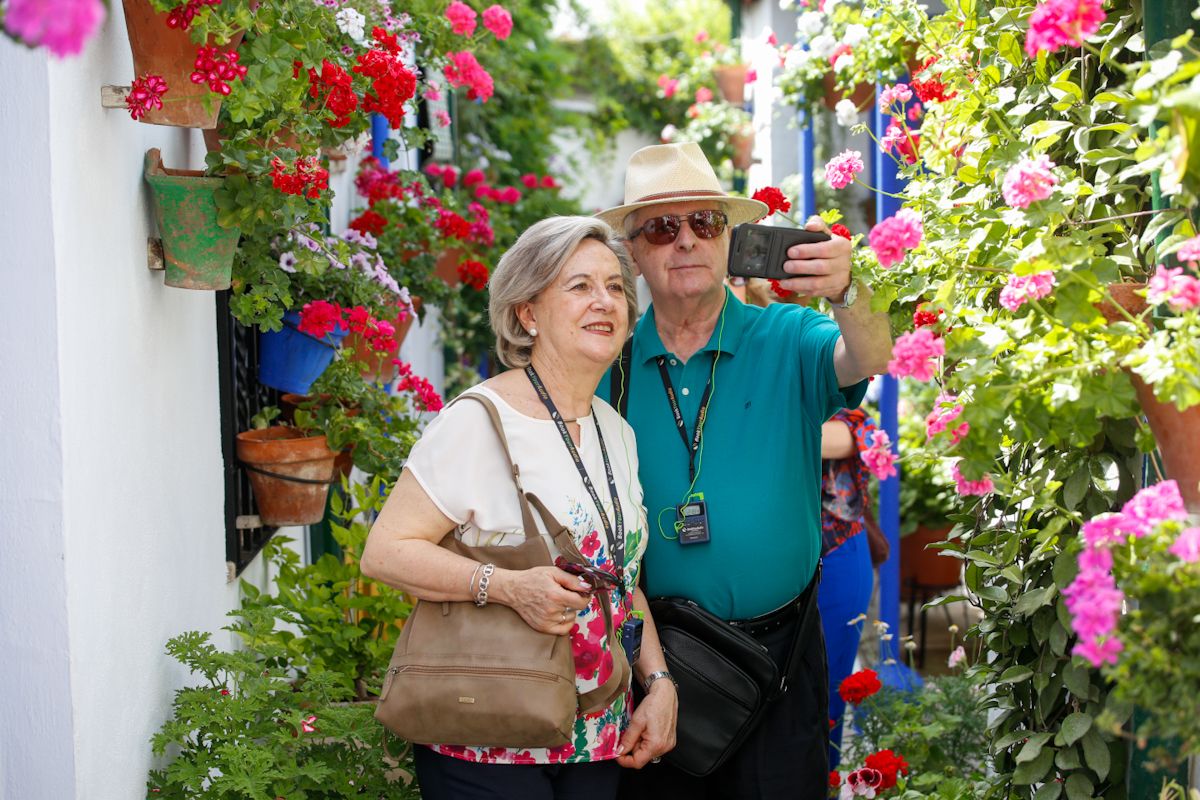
x=198 y=252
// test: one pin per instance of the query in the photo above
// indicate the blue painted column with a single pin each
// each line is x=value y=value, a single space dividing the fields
x=886 y=179
x=379 y=135
x=808 y=192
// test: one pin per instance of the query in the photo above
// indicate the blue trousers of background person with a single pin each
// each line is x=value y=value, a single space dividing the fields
x=844 y=593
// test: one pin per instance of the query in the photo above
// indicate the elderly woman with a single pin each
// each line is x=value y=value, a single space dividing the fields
x=561 y=303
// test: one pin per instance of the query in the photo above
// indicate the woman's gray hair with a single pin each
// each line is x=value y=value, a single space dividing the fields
x=532 y=264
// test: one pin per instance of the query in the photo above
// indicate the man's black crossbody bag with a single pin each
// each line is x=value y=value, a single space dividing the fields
x=725 y=678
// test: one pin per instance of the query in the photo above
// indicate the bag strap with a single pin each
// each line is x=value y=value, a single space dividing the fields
x=526 y=513
x=618 y=383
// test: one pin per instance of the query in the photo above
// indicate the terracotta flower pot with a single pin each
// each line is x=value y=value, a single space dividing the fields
x=731 y=82
x=289 y=473
x=171 y=54
x=743 y=150
x=862 y=96
x=927 y=567
x=198 y=252
x=379 y=365
x=446 y=266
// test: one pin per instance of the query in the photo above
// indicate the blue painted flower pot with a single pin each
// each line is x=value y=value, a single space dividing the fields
x=289 y=360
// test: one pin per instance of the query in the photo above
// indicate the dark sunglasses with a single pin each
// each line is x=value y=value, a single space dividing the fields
x=664 y=229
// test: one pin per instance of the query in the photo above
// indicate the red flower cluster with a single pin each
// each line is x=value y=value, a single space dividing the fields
x=835 y=779
x=392 y=84
x=319 y=318
x=859 y=686
x=181 y=16
x=924 y=317
x=452 y=225
x=216 y=69
x=838 y=229
x=447 y=173
x=369 y=221
x=774 y=199
x=888 y=764
x=779 y=291
x=473 y=177
x=145 y=94
x=334 y=89
x=497 y=20
x=464 y=70
x=406 y=381
x=931 y=89
x=306 y=178
x=532 y=181
x=473 y=273
x=380 y=334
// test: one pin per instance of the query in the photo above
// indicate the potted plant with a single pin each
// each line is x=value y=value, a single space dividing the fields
x=723 y=131
x=290 y=470
x=728 y=70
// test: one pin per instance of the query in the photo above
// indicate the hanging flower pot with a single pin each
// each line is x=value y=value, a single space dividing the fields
x=169 y=53
x=198 y=253
x=290 y=474
x=743 y=149
x=290 y=360
x=378 y=366
x=731 y=82
x=446 y=266
x=862 y=96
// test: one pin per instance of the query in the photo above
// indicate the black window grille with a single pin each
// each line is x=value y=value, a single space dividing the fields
x=242 y=396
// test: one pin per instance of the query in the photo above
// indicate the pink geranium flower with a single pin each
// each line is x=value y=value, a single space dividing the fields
x=1189 y=251
x=1028 y=181
x=956 y=657
x=465 y=70
x=462 y=18
x=497 y=20
x=895 y=236
x=879 y=457
x=704 y=94
x=1058 y=23
x=668 y=85
x=1186 y=546
x=914 y=354
x=842 y=168
x=946 y=409
x=1023 y=288
x=893 y=136
x=967 y=488
x=1173 y=287
x=900 y=93
x=1152 y=505
x=63 y=26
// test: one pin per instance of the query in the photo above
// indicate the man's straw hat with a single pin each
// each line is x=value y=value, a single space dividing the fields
x=676 y=173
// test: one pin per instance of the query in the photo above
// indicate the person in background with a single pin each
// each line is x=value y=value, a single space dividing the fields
x=849 y=551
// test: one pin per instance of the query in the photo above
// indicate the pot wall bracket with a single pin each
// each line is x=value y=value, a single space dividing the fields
x=154 y=254
x=113 y=96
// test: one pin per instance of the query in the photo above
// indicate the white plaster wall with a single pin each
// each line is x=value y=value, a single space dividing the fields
x=777 y=140
x=36 y=737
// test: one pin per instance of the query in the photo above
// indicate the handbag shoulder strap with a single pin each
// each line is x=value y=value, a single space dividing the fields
x=526 y=513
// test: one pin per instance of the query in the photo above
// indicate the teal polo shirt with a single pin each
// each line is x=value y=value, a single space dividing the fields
x=759 y=467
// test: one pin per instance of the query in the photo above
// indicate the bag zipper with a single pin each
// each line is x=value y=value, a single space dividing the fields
x=711 y=683
x=548 y=677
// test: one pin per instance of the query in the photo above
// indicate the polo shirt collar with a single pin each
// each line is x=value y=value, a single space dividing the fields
x=649 y=345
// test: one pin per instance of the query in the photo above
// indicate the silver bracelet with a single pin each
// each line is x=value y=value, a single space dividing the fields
x=484 y=580
x=471 y=583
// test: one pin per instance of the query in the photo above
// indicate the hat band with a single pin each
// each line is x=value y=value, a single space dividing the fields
x=685 y=193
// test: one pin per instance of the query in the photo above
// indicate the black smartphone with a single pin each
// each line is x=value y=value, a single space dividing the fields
x=598 y=579
x=758 y=251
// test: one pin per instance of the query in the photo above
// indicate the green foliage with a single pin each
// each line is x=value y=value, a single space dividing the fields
x=927 y=495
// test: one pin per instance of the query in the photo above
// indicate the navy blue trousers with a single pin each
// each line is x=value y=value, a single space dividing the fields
x=447 y=778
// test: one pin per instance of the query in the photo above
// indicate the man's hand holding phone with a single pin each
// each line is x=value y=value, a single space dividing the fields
x=822 y=268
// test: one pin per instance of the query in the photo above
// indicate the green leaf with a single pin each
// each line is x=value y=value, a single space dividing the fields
x=1095 y=753
x=1079 y=787
x=1048 y=791
x=1031 y=601
x=1075 y=726
x=1032 y=748
x=1034 y=771
x=1015 y=674
x=1077 y=681
x=1076 y=487
x=1010 y=49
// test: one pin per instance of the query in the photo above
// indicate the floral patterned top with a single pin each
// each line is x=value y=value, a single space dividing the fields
x=462 y=468
x=845 y=484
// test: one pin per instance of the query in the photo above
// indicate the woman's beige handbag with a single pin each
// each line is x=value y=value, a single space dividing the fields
x=468 y=675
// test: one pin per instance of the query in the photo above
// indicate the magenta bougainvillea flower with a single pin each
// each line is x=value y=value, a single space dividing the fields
x=914 y=354
x=842 y=168
x=1059 y=23
x=497 y=20
x=62 y=26
x=1023 y=288
x=895 y=236
x=1029 y=181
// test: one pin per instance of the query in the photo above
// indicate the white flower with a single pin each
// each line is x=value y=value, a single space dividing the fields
x=796 y=58
x=784 y=5
x=854 y=34
x=844 y=61
x=810 y=23
x=353 y=24
x=668 y=134
x=822 y=46
x=829 y=6
x=847 y=112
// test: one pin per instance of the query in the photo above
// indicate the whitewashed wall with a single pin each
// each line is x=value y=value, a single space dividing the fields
x=112 y=532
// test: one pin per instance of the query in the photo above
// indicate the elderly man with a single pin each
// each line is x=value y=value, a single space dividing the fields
x=758 y=383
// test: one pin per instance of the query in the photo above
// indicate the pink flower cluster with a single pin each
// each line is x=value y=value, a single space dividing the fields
x=1057 y=23
x=497 y=20
x=145 y=95
x=406 y=381
x=842 y=168
x=914 y=354
x=968 y=488
x=61 y=25
x=879 y=457
x=1173 y=287
x=1028 y=181
x=462 y=18
x=1093 y=599
x=465 y=70
x=946 y=409
x=895 y=236
x=704 y=95
x=1023 y=288
x=900 y=93
x=1189 y=251
x=668 y=85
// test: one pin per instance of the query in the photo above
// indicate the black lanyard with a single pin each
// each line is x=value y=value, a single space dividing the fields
x=693 y=446
x=616 y=546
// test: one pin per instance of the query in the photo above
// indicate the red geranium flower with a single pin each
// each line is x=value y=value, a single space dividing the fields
x=835 y=779
x=841 y=230
x=774 y=198
x=145 y=95
x=888 y=764
x=859 y=686
x=473 y=273
x=371 y=222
